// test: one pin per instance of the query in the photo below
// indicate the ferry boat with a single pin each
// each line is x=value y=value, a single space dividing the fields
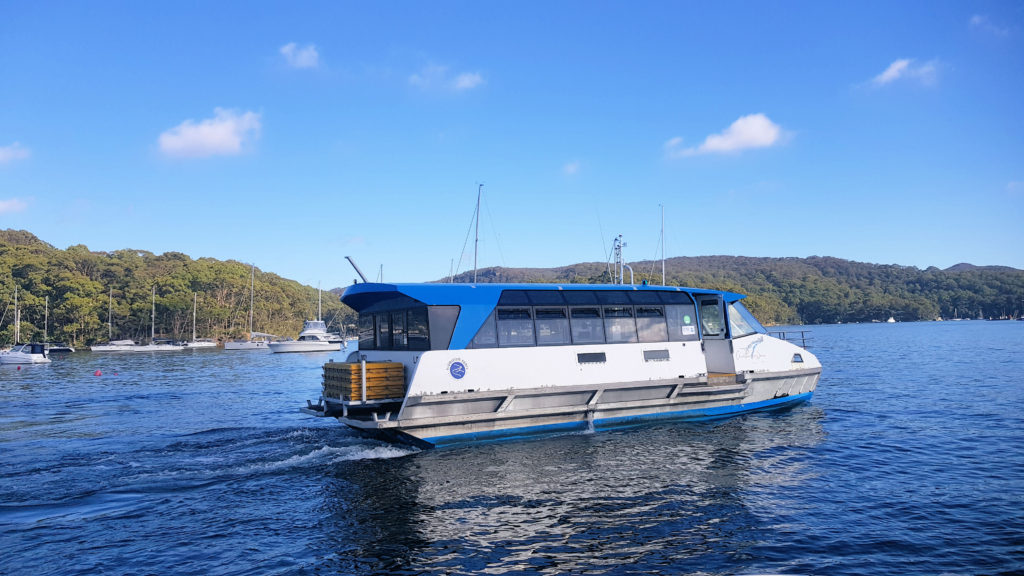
x=439 y=364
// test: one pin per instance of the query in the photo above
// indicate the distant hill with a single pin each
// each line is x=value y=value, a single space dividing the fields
x=781 y=290
x=79 y=282
x=817 y=289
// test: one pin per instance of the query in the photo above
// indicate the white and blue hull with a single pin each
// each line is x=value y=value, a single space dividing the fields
x=509 y=393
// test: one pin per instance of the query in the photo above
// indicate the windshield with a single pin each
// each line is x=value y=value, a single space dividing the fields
x=742 y=322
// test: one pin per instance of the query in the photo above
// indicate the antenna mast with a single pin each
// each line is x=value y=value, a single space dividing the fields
x=476 y=234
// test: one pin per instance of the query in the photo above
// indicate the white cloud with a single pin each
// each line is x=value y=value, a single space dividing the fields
x=468 y=80
x=298 y=57
x=435 y=77
x=751 y=131
x=226 y=134
x=571 y=168
x=12 y=205
x=14 y=152
x=982 y=23
x=908 y=68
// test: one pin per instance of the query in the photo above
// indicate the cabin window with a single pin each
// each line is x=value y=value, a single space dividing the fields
x=515 y=327
x=398 y=336
x=613 y=297
x=367 y=332
x=742 y=322
x=417 y=332
x=656 y=355
x=383 y=331
x=441 y=322
x=712 y=319
x=682 y=323
x=580 y=297
x=513 y=298
x=587 y=325
x=552 y=326
x=650 y=324
x=487 y=335
x=619 y=325
x=546 y=297
x=644 y=297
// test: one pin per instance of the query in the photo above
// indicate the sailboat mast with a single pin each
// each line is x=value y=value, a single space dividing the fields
x=252 y=296
x=152 y=320
x=195 y=295
x=17 y=318
x=476 y=234
x=110 y=310
x=663 y=245
x=46 y=319
x=319 y=299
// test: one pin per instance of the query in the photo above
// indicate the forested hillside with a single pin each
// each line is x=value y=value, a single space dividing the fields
x=781 y=291
x=78 y=283
x=817 y=290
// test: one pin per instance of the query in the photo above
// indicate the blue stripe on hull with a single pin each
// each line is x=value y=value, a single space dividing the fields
x=618 y=422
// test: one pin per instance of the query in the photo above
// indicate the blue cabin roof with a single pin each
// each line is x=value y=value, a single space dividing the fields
x=477 y=301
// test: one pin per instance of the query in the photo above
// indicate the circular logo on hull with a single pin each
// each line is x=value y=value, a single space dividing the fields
x=457 y=369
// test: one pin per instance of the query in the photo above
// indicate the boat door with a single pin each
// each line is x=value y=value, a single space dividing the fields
x=715 y=334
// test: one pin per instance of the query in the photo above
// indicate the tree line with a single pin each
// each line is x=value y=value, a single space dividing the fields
x=815 y=290
x=84 y=288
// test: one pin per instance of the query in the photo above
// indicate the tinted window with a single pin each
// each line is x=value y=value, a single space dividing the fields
x=383 y=331
x=546 y=297
x=587 y=325
x=513 y=298
x=417 y=330
x=486 y=336
x=619 y=325
x=398 y=336
x=675 y=298
x=552 y=326
x=612 y=297
x=580 y=297
x=650 y=324
x=515 y=327
x=644 y=297
x=682 y=323
x=367 y=333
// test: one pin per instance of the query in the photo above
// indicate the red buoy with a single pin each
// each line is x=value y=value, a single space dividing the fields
x=97 y=373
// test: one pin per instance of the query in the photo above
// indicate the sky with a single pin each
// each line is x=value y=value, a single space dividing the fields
x=292 y=134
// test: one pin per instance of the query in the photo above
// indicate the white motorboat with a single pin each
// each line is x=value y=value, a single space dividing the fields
x=446 y=363
x=201 y=343
x=115 y=346
x=313 y=338
x=33 y=353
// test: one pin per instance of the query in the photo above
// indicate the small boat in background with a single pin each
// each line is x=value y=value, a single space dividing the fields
x=313 y=338
x=198 y=342
x=34 y=353
x=257 y=340
x=59 y=347
x=115 y=346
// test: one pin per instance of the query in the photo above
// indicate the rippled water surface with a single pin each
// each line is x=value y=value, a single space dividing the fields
x=908 y=460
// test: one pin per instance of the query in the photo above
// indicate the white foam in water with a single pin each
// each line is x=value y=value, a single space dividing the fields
x=331 y=455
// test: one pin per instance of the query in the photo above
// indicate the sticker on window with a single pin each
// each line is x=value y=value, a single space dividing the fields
x=688 y=330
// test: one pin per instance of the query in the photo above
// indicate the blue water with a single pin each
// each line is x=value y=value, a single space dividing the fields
x=908 y=460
